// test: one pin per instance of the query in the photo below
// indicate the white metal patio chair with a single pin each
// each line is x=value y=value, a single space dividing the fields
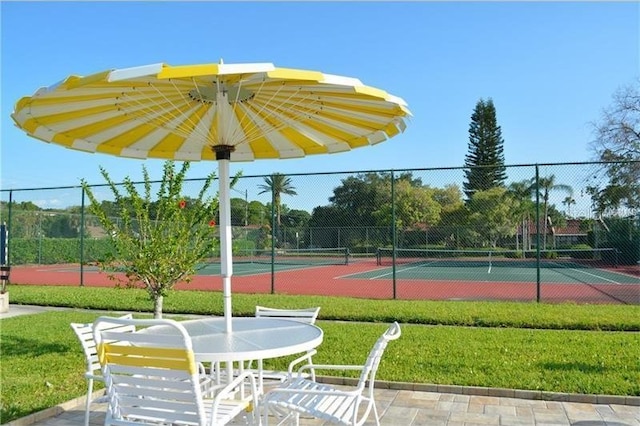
x=306 y=315
x=93 y=373
x=154 y=379
x=84 y=332
x=301 y=396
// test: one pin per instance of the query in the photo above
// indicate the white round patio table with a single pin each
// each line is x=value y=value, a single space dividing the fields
x=251 y=339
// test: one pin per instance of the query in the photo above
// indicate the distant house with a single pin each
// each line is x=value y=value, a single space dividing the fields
x=559 y=237
x=571 y=234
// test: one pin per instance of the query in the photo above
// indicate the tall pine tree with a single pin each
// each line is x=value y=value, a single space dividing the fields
x=485 y=150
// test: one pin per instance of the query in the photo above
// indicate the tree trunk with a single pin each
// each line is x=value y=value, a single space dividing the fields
x=157 y=307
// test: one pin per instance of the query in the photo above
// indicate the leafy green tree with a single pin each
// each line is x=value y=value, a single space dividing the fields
x=330 y=215
x=414 y=204
x=359 y=197
x=294 y=222
x=258 y=213
x=158 y=242
x=365 y=200
x=61 y=226
x=492 y=214
x=617 y=142
x=27 y=206
x=324 y=216
x=485 y=158
x=449 y=197
x=239 y=211
x=296 y=218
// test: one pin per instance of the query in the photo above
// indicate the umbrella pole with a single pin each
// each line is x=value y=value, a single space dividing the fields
x=226 y=261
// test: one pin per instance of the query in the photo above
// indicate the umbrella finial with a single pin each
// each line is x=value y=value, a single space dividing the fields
x=221 y=61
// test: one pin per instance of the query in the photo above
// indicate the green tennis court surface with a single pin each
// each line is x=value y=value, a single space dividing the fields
x=240 y=269
x=250 y=262
x=596 y=266
x=500 y=274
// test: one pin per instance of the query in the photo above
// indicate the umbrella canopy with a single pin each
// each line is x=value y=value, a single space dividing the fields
x=221 y=112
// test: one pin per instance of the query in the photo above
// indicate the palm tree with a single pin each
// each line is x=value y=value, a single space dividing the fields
x=568 y=201
x=521 y=192
x=544 y=186
x=278 y=184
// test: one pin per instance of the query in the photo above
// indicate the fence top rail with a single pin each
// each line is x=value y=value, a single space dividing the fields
x=578 y=163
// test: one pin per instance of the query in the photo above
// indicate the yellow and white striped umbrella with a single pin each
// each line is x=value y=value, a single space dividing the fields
x=223 y=112
x=254 y=111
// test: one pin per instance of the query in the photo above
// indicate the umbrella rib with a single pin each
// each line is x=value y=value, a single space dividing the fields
x=170 y=112
x=214 y=129
x=146 y=110
x=249 y=129
x=194 y=125
x=235 y=132
x=280 y=106
x=293 y=113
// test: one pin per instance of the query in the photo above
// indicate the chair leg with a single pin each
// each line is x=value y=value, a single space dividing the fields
x=375 y=413
x=260 y=377
x=282 y=417
x=87 y=409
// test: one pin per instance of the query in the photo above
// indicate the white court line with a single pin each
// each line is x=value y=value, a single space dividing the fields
x=355 y=274
x=266 y=270
x=430 y=263
x=587 y=273
x=402 y=270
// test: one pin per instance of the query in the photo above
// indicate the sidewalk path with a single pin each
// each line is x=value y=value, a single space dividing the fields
x=417 y=408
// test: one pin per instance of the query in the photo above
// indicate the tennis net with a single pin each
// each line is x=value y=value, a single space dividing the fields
x=312 y=256
x=561 y=258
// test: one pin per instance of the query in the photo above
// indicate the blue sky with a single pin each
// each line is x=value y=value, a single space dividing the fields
x=549 y=67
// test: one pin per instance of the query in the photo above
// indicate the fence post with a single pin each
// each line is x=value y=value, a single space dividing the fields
x=273 y=237
x=393 y=233
x=82 y=240
x=538 y=234
x=8 y=247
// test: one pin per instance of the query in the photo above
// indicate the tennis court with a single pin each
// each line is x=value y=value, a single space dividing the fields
x=253 y=262
x=247 y=269
x=596 y=266
x=578 y=278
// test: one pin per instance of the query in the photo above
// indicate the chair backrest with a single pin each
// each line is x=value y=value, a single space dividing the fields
x=307 y=315
x=84 y=332
x=373 y=360
x=150 y=377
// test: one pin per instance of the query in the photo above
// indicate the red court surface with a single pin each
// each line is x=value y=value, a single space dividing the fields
x=339 y=280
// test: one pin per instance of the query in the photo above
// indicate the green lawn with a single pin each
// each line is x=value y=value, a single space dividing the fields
x=590 y=349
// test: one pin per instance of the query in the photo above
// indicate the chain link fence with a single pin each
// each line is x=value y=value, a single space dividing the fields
x=415 y=234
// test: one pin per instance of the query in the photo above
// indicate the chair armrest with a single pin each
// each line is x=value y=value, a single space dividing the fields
x=305 y=357
x=330 y=367
x=97 y=377
x=332 y=392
